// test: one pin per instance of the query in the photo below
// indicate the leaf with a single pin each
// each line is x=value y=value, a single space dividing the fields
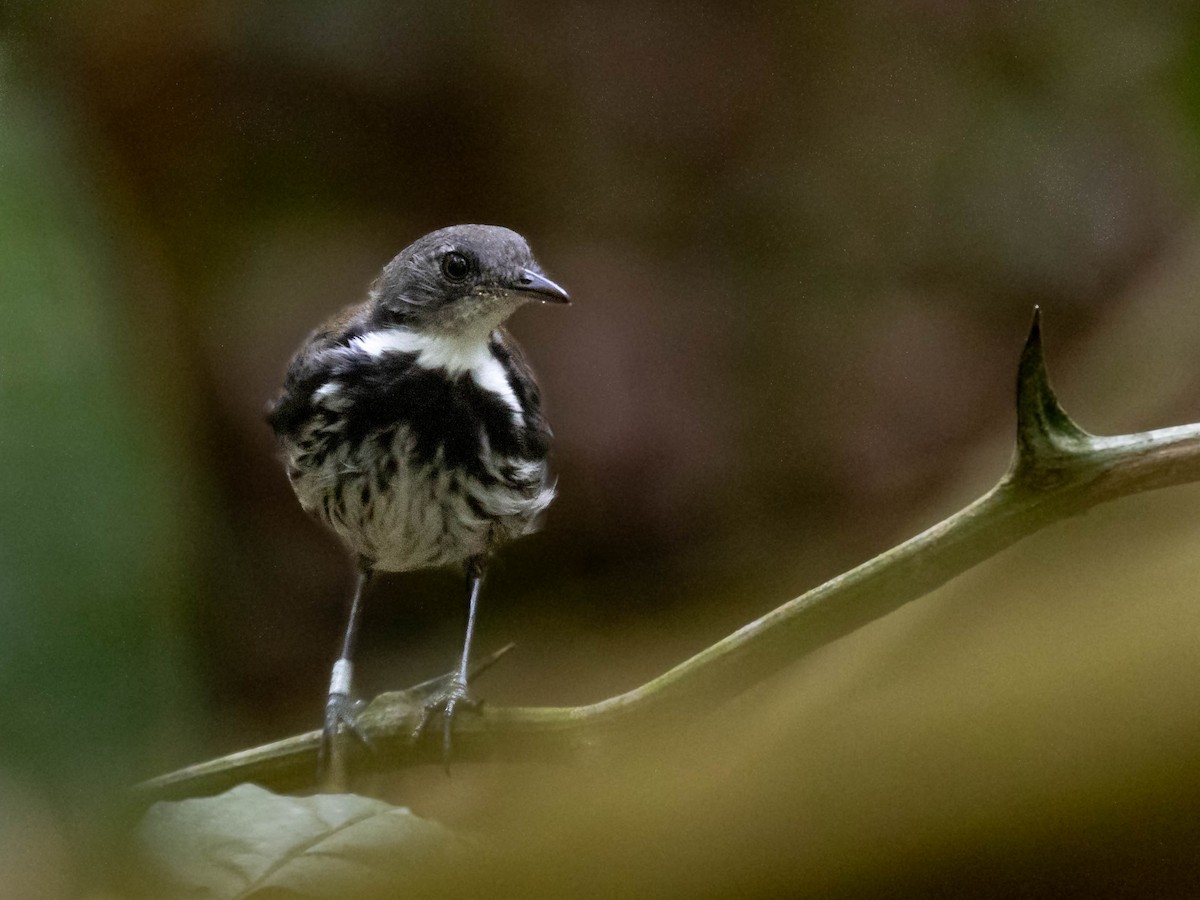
x=250 y=842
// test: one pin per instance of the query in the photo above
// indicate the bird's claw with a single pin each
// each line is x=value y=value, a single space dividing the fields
x=447 y=703
x=340 y=709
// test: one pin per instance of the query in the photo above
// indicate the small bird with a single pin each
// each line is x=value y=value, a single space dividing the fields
x=412 y=426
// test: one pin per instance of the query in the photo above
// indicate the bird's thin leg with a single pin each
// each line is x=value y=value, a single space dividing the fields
x=340 y=708
x=455 y=694
x=474 y=584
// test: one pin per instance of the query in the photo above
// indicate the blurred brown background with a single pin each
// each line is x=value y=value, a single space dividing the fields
x=803 y=241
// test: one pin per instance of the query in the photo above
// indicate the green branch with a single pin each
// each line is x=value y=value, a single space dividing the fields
x=1058 y=470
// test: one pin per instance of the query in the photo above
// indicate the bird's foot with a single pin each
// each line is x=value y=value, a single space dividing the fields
x=447 y=703
x=340 y=709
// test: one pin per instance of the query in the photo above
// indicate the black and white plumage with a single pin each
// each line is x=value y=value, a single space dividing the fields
x=412 y=426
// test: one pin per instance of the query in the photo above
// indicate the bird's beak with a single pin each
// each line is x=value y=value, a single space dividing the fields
x=547 y=291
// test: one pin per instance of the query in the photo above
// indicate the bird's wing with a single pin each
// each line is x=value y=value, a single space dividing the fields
x=525 y=386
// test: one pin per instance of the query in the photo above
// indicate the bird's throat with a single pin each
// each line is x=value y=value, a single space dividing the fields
x=455 y=352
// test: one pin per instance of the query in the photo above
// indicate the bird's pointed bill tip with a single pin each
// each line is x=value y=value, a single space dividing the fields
x=536 y=283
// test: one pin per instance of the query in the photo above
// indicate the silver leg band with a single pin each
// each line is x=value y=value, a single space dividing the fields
x=339 y=682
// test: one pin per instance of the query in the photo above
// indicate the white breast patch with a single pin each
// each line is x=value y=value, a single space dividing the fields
x=454 y=355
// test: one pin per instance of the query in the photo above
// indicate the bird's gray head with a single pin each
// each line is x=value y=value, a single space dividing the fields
x=461 y=279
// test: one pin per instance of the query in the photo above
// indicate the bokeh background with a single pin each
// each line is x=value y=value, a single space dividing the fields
x=804 y=242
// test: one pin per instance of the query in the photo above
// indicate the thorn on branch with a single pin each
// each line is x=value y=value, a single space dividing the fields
x=1046 y=436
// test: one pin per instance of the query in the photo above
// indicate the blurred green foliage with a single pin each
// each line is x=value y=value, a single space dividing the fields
x=94 y=535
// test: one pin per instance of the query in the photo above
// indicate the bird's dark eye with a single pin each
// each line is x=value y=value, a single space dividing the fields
x=455 y=266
